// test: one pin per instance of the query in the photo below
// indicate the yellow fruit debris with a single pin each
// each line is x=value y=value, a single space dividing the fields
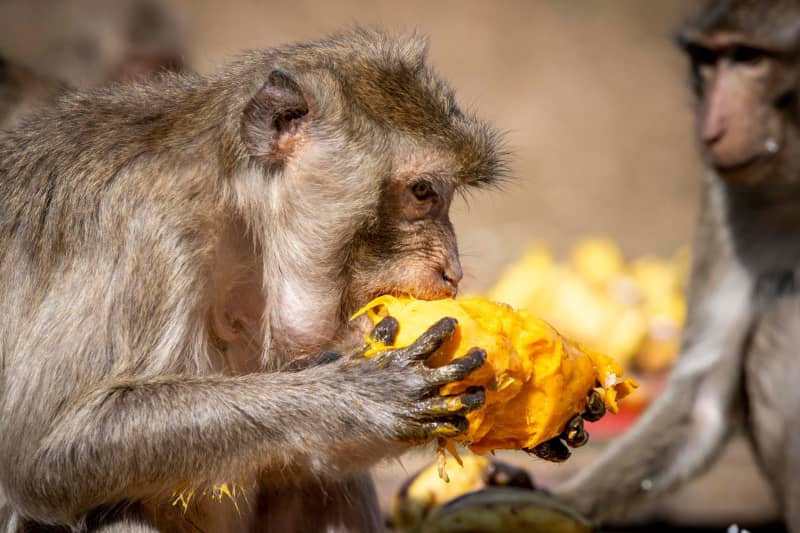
x=535 y=379
x=425 y=491
x=183 y=495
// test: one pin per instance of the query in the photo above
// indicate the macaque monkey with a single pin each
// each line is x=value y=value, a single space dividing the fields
x=21 y=91
x=86 y=43
x=175 y=254
x=741 y=351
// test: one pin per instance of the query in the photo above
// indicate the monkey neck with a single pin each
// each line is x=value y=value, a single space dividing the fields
x=775 y=206
x=763 y=223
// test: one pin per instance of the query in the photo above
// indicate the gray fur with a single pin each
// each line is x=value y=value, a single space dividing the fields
x=157 y=275
x=739 y=358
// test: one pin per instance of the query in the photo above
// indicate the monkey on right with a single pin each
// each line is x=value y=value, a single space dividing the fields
x=740 y=358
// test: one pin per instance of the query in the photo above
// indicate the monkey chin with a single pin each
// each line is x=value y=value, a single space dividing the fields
x=751 y=172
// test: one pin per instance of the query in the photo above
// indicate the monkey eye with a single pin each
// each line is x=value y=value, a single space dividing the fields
x=748 y=55
x=701 y=56
x=422 y=190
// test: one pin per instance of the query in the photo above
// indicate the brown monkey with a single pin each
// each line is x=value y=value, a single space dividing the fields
x=90 y=42
x=741 y=347
x=168 y=248
x=22 y=90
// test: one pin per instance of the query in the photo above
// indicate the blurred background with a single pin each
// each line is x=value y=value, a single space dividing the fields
x=594 y=98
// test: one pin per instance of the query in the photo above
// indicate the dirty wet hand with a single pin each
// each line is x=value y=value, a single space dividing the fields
x=408 y=388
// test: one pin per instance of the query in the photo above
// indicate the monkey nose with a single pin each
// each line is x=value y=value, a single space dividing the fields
x=713 y=131
x=452 y=274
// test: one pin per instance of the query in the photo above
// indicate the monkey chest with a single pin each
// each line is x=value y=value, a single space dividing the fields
x=772 y=372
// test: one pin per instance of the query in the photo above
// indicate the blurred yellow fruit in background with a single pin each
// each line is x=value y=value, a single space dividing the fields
x=633 y=311
x=597 y=260
x=522 y=281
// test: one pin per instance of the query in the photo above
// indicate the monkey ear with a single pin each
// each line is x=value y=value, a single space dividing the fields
x=273 y=119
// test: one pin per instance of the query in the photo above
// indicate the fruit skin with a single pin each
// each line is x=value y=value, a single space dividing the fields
x=535 y=380
x=425 y=491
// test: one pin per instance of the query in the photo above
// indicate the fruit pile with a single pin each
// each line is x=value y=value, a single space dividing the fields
x=633 y=311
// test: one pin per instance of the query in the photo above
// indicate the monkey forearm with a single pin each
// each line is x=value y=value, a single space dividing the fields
x=640 y=464
x=141 y=437
x=683 y=429
x=678 y=435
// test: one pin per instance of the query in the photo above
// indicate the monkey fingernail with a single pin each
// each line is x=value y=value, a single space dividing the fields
x=432 y=339
x=453 y=427
x=595 y=407
x=472 y=399
x=386 y=331
x=458 y=369
x=574 y=435
x=552 y=450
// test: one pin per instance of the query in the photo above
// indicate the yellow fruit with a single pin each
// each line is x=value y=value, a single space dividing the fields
x=657 y=279
x=425 y=491
x=682 y=264
x=625 y=331
x=574 y=306
x=535 y=379
x=597 y=260
x=661 y=345
x=521 y=282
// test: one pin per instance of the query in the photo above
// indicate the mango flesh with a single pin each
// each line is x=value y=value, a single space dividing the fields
x=535 y=379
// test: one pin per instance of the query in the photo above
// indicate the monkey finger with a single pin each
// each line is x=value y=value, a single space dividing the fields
x=458 y=369
x=430 y=341
x=595 y=407
x=385 y=331
x=552 y=450
x=445 y=428
x=574 y=434
x=437 y=406
x=323 y=358
x=452 y=427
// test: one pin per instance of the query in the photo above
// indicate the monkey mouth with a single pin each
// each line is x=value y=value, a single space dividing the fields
x=731 y=168
x=747 y=172
x=364 y=326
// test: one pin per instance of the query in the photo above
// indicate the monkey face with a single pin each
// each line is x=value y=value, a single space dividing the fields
x=747 y=105
x=412 y=250
x=359 y=161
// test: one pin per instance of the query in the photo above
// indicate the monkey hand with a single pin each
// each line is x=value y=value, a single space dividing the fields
x=556 y=450
x=404 y=390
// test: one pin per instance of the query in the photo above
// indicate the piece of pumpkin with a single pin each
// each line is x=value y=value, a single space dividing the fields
x=535 y=379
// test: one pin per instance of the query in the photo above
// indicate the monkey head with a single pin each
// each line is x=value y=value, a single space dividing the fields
x=370 y=149
x=744 y=70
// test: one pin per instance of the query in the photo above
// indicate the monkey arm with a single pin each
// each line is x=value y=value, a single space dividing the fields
x=684 y=428
x=131 y=438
